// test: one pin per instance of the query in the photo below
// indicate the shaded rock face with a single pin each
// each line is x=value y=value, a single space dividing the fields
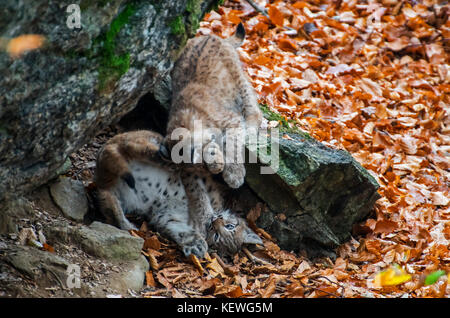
x=70 y=197
x=315 y=196
x=55 y=99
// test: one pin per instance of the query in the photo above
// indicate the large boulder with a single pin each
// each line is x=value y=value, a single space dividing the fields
x=53 y=100
x=315 y=193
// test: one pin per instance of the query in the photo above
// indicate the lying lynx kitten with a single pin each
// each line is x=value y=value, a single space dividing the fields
x=209 y=86
x=131 y=178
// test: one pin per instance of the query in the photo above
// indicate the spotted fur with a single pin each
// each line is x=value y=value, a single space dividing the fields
x=160 y=195
x=209 y=85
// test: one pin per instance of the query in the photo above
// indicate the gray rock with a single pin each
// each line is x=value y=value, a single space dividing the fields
x=49 y=270
x=32 y=262
x=70 y=197
x=100 y=240
x=315 y=196
x=132 y=277
x=15 y=209
x=53 y=100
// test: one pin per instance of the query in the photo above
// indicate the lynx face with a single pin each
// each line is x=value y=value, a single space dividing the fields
x=228 y=233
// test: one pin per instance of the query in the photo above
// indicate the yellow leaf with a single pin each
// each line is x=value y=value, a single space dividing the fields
x=394 y=275
x=196 y=263
x=215 y=268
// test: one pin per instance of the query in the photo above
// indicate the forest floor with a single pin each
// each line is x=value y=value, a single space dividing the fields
x=372 y=78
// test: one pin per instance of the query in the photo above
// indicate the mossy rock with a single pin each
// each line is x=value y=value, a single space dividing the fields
x=320 y=192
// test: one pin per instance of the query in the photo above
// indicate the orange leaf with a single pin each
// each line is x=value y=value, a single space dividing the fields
x=385 y=226
x=196 y=263
x=276 y=16
x=152 y=243
x=48 y=248
x=300 y=5
x=233 y=16
x=287 y=44
x=150 y=281
x=262 y=60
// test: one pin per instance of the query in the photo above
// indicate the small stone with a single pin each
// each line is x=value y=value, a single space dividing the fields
x=70 y=197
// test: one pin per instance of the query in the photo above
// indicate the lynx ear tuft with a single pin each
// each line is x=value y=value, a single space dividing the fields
x=129 y=179
x=240 y=31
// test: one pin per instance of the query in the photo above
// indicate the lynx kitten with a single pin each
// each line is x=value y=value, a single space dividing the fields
x=209 y=86
x=132 y=178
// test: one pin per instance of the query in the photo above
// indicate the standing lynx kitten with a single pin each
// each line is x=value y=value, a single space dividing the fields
x=132 y=179
x=210 y=86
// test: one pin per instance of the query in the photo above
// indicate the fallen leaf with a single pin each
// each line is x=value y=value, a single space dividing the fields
x=385 y=226
x=394 y=275
x=276 y=16
x=150 y=281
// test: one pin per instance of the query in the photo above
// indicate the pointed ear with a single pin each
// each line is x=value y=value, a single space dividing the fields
x=238 y=38
x=240 y=31
x=251 y=237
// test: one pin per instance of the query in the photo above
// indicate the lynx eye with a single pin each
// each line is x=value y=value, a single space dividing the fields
x=230 y=226
x=216 y=237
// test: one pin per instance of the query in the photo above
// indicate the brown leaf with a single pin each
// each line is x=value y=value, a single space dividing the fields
x=270 y=289
x=230 y=291
x=152 y=243
x=385 y=226
x=276 y=16
x=150 y=281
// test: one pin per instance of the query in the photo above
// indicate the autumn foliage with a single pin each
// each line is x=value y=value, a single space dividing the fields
x=370 y=77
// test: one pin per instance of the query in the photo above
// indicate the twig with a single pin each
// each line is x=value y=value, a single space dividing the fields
x=253 y=258
x=225 y=267
x=264 y=13
x=258 y=8
x=340 y=286
x=57 y=278
x=322 y=291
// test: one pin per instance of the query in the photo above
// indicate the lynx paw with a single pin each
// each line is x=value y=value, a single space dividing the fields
x=234 y=175
x=213 y=157
x=196 y=245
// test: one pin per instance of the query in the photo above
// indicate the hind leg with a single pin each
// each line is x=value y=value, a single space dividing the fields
x=111 y=209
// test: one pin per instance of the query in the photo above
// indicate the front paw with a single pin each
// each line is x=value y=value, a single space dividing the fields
x=234 y=175
x=196 y=245
x=213 y=157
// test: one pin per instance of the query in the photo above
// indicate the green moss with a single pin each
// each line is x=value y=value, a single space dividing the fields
x=195 y=11
x=186 y=24
x=111 y=65
x=177 y=26
x=286 y=126
x=218 y=4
